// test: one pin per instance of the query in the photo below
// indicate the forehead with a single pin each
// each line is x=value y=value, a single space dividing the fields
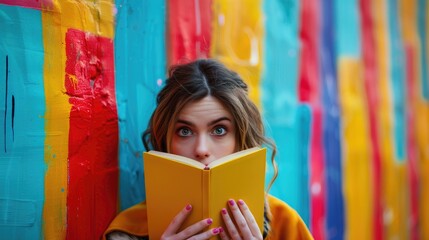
x=205 y=108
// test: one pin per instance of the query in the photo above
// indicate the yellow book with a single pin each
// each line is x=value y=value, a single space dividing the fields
x=174 y=181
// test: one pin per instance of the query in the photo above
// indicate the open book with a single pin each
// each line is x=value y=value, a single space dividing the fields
x=174 y=181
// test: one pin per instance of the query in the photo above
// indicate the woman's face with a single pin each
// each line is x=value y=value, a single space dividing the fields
x=204 y=131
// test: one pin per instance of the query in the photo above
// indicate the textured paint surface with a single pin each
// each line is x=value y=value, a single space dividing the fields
x=56 y=128
x=139 y=34
x=309 y=93
x=287 y=122
x=189 y=30
x=22 y=107
x=331 y=125
x=366 y=141
x=370 y=75
x=93 y=134
x=236 y=40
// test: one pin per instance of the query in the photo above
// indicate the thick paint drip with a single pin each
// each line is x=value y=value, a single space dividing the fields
x=93 y=135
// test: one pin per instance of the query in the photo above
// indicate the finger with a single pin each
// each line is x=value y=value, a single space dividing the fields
x=207 y=234
x=194 y=229
x=222 y=234
x=178 y=220
x=230 y=226
x=250 y=219
x=240 y=220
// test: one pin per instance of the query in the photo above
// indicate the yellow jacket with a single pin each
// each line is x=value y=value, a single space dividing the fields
x=285 y=222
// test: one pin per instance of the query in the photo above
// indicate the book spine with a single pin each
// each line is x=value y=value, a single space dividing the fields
x=206 y=192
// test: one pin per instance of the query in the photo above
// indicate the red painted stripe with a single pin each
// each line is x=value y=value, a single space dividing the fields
x=309 y=92
x=36 y=4
x=189 y=30
x=372 y=90
x=93 y=136
x=412 y=98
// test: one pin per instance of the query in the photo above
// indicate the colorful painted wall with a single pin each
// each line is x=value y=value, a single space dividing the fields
x=343 y=87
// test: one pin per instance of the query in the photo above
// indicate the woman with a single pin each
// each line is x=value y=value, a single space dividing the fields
x=204 y=113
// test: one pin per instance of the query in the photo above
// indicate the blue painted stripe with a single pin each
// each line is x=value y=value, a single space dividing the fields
x=22 y=106
x=140 y=61
x=348 y=28
x=397 y=77
x=331 y=126
x=422 y=28
x=284 y=117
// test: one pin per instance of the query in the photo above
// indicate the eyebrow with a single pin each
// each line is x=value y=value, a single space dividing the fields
x=210 y=123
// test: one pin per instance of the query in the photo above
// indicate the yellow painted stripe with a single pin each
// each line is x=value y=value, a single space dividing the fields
x=56 y=127
x=96 y=18
x=356 y=150
x=236 y=40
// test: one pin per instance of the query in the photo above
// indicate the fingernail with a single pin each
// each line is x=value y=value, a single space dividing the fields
x=188 y=207
x=215 y=231
x=220 y=229
x=241 y=202
x=209 y=221
x=231 y=202
x=224 y=211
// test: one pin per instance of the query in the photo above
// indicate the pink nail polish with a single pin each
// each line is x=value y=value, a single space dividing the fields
x=231 y=202
x=215 y=231
x=224 y=211
x=220 y=230
x=209 y=221
x=241 y=202
x=188 y=207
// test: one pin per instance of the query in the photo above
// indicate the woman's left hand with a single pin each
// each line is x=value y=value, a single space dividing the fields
x=246 y=226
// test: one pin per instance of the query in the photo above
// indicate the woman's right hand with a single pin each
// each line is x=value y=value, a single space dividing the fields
x=192 y=232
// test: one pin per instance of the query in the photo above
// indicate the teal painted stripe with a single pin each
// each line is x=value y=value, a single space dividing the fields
x=22 y=106
x=347 y=28
x=422 y=28
x=281 y=110
x=140 y=61
x=397 y=78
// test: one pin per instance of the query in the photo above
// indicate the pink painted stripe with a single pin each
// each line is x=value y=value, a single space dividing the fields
x=412 y=154
x=309 y=92
x=189 y=30
x=372 y=89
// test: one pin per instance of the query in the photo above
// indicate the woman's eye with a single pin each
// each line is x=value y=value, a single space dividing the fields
x=184 y=132
x=219 y=131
